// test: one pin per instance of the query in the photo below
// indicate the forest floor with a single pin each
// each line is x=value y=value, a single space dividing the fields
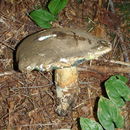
x=27 y=101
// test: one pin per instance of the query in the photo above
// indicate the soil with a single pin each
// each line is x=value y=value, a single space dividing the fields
x=28 y=101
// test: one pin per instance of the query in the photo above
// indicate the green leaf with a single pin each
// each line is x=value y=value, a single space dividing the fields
x=55 y=6
x=122 y=78
x=42 y=18
x=43 y=24
x=117 y=90
x=87 y=124
x=109 y=114
x=42 y=15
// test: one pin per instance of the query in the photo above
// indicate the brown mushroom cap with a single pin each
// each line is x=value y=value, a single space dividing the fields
x=58 y=48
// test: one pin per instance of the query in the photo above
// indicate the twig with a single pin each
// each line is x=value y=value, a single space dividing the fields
x=84 y=102
x=118 y=62
x=7 y=73
x=105 y=69
x=33 y=86
x=5 y=44
x=45 y=76
x=39 y=124
x=5 y=60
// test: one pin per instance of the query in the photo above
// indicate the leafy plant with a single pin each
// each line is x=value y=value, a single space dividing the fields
x=55 y=6
x=109 y=113
x=117 y=90
x=43 y=18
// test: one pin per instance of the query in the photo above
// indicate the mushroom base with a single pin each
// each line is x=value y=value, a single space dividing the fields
x=67 y=89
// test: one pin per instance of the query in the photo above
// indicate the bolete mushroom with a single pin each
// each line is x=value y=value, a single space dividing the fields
x=61 y=50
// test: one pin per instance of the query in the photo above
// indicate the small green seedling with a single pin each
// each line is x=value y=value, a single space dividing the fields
x=44 y=18
x=109 y=113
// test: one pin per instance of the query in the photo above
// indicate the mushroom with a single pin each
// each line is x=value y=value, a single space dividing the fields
x=61 y=50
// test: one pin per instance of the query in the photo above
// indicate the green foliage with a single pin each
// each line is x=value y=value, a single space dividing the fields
x=109 y=113
x=87 y=124
x=117 y=90
x=120 y=77
x=43 y=18
x=55 y=6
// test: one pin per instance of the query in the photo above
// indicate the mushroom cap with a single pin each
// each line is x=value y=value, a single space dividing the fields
x=58 y=48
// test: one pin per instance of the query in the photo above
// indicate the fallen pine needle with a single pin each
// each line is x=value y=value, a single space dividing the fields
x=7 y=73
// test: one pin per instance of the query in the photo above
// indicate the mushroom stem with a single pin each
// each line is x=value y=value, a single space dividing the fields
x=67 y=89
